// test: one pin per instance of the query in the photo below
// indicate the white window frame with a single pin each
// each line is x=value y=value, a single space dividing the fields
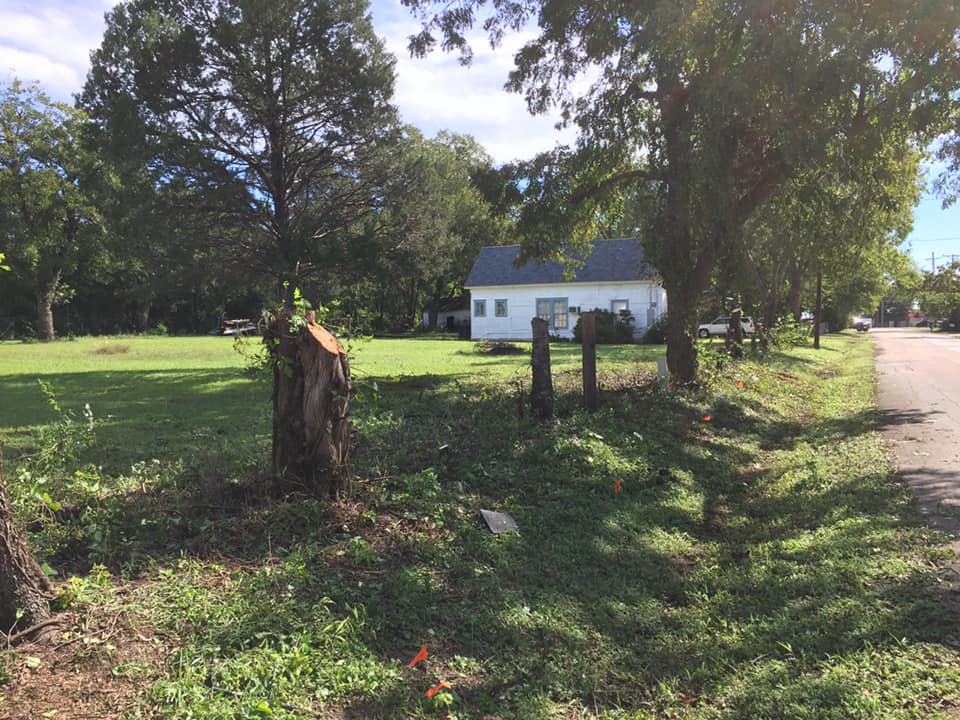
x=479 y=308
x=497 y=306
x=626 y=306
x=552 y=312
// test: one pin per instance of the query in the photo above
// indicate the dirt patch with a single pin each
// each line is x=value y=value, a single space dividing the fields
x=96 y=665
x=490 y=347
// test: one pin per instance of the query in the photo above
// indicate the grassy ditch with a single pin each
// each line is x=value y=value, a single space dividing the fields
x=758 y=560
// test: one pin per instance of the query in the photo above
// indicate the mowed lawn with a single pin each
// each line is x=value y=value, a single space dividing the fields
x=742 y=550
x=164 y=397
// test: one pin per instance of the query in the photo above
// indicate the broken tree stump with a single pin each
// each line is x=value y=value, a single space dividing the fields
x=311 y=401
x=541 y=394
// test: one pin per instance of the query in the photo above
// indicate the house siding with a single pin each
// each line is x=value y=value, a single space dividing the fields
x=522 y=306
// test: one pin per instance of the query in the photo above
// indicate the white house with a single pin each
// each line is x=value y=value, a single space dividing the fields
x=506 y=297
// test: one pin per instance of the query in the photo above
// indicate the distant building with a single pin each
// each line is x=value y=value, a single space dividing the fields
x=505 y=297
x=452 y=314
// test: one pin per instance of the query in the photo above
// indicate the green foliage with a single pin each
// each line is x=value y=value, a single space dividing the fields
x=708 y=95
x=656 y=334
x=300 y=152
x=789 y=333
x=612 y=329
x=48 y=217
x=726 y=580
x=44 y=479
x=939 y=293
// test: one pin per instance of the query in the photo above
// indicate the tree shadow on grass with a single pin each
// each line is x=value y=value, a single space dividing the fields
x=691 y=581
x=162 y=414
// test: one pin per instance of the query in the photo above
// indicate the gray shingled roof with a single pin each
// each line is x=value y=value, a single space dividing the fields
x=609 y=261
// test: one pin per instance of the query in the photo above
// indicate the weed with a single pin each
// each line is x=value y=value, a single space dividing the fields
x=764 y=564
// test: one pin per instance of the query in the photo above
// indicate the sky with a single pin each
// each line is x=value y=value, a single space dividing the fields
x=49 y=41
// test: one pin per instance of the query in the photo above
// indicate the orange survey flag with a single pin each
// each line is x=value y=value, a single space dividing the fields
x=422 y=655
x=438 y=687
x=616 y=487
x=707 y=418
x=739 y=384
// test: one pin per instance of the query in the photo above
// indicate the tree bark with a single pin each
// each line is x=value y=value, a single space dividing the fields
x=311 y=400
x=45 y=296
x=796 y=289
x=735 y=334
x=24 y=588
x=541 y=393
x=819 y=314
x=588 y=339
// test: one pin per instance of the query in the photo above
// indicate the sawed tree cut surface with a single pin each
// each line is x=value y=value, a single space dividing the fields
x=311 y=400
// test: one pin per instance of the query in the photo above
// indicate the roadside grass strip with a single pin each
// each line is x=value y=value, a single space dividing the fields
x=738 y=551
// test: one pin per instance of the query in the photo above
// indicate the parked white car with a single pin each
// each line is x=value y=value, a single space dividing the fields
x=720 y=326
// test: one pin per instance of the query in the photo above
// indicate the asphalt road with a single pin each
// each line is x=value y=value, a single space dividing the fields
x=919 y=386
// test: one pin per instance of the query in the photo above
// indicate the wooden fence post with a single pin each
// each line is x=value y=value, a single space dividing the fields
x=541 y=394
x=588 y=339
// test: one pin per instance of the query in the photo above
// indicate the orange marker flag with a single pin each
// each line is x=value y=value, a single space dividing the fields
x=616 y=487
x=739 y=384
x=422 y=655
x=707 y=418
x=438 y=687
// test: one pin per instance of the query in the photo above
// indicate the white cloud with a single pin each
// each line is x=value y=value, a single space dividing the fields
x=438 y=93
x=49 y=42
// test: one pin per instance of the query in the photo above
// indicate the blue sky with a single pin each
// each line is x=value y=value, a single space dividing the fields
x=50 y=40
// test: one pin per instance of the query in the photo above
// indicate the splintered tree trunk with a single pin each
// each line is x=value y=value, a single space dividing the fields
x=24 y=588
x=541 y=395
x=311 y=399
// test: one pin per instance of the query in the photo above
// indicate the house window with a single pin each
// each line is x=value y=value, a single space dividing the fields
x=479 y=308
x=500 y=308
x=617 y=307
x=554 y=311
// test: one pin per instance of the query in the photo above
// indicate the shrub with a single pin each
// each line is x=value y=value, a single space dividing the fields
x=789 y=333
x=656 y=334
x=612 y=329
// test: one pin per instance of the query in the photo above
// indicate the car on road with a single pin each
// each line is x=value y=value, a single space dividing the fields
x=862 y=324
x=721 y=325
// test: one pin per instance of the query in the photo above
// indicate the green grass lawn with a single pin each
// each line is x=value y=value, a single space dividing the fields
x=156 y=396
x=763 y=563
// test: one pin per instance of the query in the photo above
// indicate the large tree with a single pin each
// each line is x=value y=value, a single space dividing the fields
x=842 y=220
x=47 y=214
x=288 y=103
x=716 y=104
x=287 y=100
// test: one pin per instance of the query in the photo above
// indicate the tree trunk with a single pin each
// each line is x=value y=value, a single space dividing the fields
x=45 y=296
x=796 y=289
x=819 y=314
x=588 y=339
x=24 y=588
x=541 y=393
x=735 y=334
x=311 y=399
